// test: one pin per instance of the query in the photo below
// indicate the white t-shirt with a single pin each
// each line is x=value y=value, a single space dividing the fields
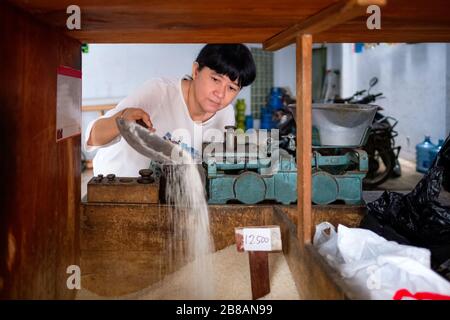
x=163 y=100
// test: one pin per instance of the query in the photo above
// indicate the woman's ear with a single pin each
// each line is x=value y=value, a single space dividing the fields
x=195 y=70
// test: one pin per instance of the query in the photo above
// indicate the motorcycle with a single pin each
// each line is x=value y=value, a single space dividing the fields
x=380 y=146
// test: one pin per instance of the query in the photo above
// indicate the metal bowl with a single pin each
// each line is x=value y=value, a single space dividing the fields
x=343 y=125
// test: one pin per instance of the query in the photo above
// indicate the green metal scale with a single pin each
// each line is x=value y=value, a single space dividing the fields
x=252 y=176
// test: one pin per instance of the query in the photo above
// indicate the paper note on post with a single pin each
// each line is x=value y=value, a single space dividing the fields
x=68 y=103
x=257 y=239
x=263 y=238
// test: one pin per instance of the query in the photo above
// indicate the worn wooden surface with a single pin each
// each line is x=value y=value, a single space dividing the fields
x=313 y=279
x=334 y=15
x=200 y=21
x=125 y=247
x=225 y=218
x=259 y=273
x=335 y=214
x=39 y=219
x=304 y=136
x=122 y=190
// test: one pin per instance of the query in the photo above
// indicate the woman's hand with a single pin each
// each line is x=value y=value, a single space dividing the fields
x=105 y=130
x=136 y=114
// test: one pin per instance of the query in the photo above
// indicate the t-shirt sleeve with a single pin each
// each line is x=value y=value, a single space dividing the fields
x=146 y=97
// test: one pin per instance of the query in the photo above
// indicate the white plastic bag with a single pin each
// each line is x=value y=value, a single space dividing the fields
x=374 y=268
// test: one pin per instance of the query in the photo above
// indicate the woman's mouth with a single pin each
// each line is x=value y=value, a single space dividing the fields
x=216 y=104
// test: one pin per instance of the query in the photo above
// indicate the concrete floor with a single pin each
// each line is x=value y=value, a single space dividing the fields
x=410 y=177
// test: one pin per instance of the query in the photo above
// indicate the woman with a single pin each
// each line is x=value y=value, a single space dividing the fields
x=178 y=108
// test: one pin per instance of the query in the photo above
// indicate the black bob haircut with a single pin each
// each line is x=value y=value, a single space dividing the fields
x=232 y=60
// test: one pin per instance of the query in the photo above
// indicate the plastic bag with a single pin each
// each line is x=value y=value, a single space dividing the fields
x=325 y=239
x=374 y=268
x=418 y=215
x=443 y=160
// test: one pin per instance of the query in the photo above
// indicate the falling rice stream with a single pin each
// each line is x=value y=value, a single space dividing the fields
x=188 y=214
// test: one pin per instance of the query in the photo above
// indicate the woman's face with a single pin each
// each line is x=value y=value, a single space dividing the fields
x=213 y=91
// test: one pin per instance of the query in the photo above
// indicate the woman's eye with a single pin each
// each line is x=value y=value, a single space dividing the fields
x=215 y=79
x=233 y=89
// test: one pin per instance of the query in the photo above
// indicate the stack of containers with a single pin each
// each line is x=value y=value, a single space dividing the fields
x=275 y=103
x=240 y=114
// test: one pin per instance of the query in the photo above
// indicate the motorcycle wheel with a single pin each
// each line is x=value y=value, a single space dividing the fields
x=381 y=164
x=397 y=171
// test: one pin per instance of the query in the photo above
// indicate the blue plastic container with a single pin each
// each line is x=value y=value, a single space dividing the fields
x=435 y=150
x=266 y=118
x=423 y=160
x=248 y=122
x=276 y=98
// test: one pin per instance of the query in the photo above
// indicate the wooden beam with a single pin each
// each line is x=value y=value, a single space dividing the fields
x=332 y=16
x=98 y=107
x=304 y=136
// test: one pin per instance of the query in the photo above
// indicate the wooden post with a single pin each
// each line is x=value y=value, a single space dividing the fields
x=304 y=136
x=258 y=241
x=259 y=273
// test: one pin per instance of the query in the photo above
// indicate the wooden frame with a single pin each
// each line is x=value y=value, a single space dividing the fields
x=37 y=42
x=334 y=15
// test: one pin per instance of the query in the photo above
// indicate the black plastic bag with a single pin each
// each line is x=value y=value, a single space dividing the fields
x=443 y=160
x=418 y=216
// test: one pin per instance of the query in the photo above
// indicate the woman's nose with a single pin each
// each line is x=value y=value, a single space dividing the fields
x=220 y=91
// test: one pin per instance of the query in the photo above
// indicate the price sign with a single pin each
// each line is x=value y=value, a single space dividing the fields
x=258 y=242
x=257 y=239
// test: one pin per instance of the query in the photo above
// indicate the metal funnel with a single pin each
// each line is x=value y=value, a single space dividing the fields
x=343 y=125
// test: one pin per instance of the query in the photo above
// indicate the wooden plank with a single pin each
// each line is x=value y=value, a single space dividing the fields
x=313 y=278
x=122 y=243
x=349 y=216
x=225 y=218
x=39 y=233
x=259 y=273
x=177 y=35
x=332 y=16
x=100 y=108
x=200 y=21
x=122 y=190
x=411 y=29
x=115 y=273
x=342 y=34
x=304 y=136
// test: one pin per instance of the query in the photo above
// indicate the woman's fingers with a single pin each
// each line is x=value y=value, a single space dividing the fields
x=138 y=114
x=146 y=118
